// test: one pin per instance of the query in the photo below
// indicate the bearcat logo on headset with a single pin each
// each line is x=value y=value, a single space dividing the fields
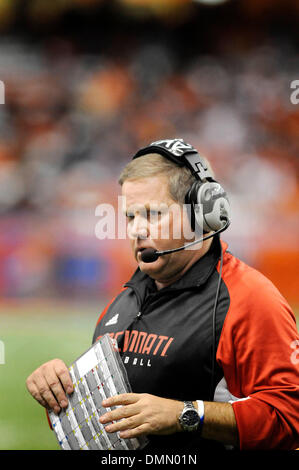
x=176 y=146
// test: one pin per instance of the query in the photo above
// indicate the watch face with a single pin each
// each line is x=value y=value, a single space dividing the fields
x=190 y=417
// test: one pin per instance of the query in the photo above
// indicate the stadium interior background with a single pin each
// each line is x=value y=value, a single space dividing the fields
x=88 y=82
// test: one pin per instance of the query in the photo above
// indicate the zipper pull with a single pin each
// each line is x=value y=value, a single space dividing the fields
x=138 y=315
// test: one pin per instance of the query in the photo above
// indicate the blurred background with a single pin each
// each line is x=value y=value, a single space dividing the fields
x=88 y=82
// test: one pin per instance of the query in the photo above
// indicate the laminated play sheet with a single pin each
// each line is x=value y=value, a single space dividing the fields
x=97 y=374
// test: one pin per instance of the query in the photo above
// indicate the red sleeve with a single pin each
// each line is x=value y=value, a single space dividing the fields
x=257 y=354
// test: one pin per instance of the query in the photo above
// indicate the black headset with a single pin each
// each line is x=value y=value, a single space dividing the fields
x=210 y=207
x=207 y=199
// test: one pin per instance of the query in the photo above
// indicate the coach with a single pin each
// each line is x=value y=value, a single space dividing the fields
x=206 y=340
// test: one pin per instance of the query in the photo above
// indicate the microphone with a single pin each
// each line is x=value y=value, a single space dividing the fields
x=149 y=255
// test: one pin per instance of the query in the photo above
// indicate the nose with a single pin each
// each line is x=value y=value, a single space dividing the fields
x=138 y=228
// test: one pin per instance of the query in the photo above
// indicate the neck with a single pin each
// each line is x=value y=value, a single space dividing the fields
x=160 y=283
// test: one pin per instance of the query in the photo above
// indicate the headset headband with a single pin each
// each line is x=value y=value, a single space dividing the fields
x=182 y=154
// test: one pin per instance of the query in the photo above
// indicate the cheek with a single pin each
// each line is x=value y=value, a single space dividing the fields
x=171 y=229
x=163 y=230
x=132 y=244
x=129 y=231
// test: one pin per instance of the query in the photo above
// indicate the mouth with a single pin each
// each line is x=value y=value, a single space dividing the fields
x=139 y=250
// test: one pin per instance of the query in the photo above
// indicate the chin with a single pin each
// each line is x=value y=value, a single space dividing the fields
x=150 y=268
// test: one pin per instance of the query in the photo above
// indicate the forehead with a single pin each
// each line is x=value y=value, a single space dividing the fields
x=146 y=191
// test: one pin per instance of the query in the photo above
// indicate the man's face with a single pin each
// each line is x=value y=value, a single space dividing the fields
x=155 y=221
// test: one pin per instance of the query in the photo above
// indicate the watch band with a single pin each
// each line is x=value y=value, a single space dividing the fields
x=201 y=412
x=188 y=404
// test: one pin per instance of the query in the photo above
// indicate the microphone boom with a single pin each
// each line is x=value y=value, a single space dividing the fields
x=149 y=255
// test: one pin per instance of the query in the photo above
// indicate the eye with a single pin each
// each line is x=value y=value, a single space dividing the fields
x=154 y=213
x=130 y=217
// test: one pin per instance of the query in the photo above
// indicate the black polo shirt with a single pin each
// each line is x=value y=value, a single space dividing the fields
x=165 y=336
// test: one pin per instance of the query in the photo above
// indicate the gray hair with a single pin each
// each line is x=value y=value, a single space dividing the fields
x=180 y=178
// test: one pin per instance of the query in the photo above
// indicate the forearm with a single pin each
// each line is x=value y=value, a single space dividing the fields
x=220 y=423
x=138 y=414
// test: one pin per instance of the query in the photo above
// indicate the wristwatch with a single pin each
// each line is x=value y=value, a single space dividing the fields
x=189 y=418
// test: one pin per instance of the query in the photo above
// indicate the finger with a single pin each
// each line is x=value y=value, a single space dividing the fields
x=126 y=423
x=63 y=374
x=122 y=399
x=33 y=390
x=46 y=393
x=56 y=388
x=119 y=413
x=138 y=431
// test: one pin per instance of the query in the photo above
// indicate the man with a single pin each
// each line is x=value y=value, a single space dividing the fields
x=206 y=340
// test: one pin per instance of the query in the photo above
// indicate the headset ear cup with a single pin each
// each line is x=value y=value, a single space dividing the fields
x=207 y=206
x=213 y=200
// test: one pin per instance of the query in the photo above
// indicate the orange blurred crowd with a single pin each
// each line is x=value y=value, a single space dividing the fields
x=73 y=118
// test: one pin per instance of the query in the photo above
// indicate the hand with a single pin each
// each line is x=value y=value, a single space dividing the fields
x=142 y=414
x=49 y=384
